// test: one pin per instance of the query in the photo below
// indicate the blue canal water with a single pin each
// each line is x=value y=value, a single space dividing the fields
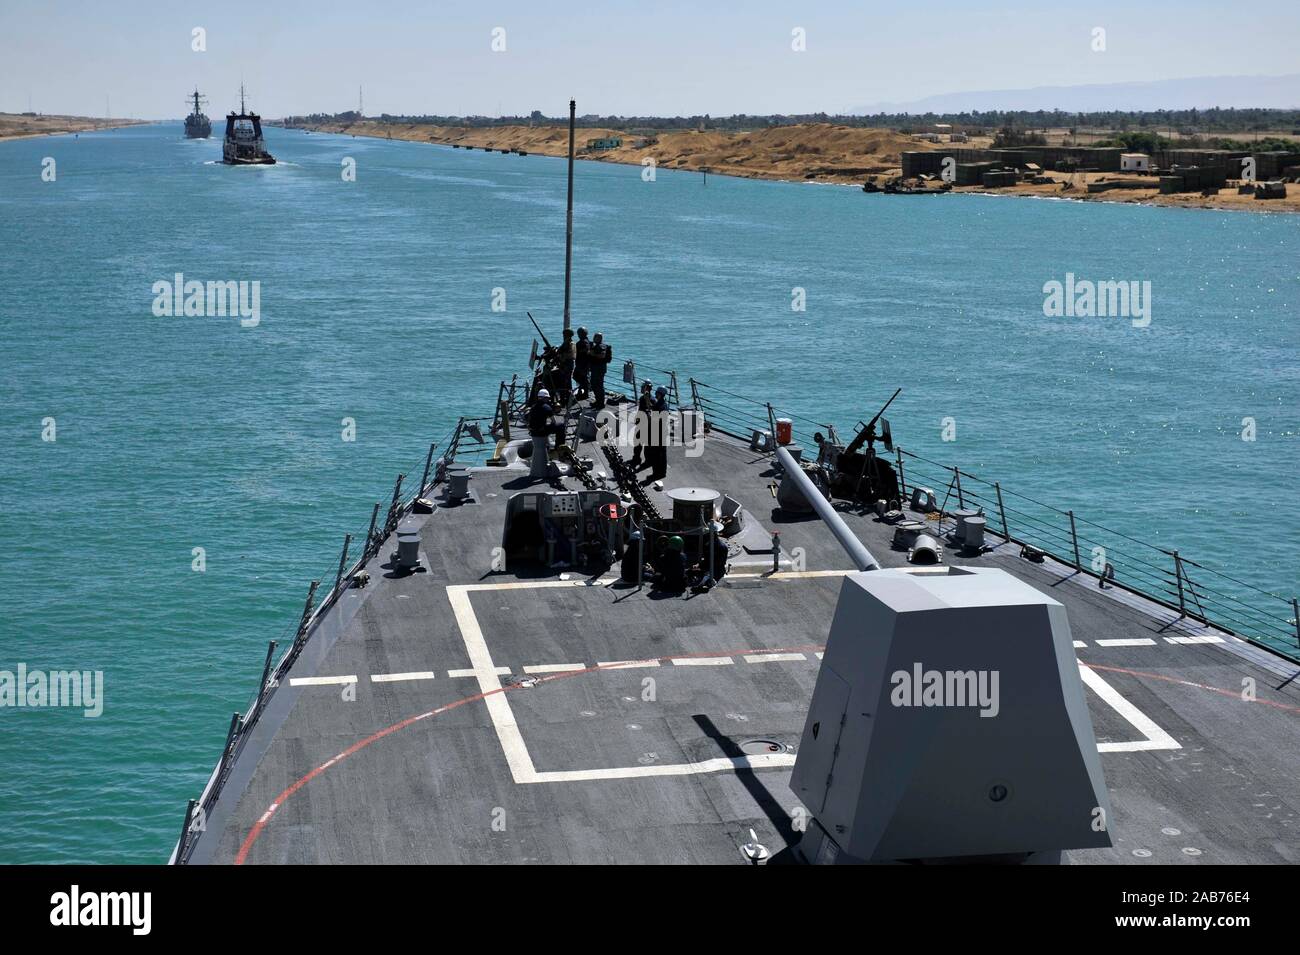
x=174 y=433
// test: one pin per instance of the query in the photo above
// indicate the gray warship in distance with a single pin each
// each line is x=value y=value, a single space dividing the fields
x=243 y=145
x=197 y=125
x=885 y=660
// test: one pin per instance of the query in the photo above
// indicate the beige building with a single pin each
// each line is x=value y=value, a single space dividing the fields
x=1134 y=162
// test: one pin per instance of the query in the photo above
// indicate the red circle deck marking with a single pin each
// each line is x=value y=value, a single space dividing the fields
x=361 y=744
x=1231 y=694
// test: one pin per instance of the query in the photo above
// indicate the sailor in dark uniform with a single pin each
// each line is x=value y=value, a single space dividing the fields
x=632 y=567
x=564 y=360
x=642 y=427
x=671 y=569
x=540 y=428
x=599 y=357
x=657 y=440
x=582 y=362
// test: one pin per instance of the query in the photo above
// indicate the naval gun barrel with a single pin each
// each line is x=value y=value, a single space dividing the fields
x=856 y=550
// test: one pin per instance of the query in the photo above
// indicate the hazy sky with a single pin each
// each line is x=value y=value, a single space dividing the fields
x=663 y=57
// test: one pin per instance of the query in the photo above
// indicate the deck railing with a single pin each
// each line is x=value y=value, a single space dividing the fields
x=1197 y=591
x=360 y=547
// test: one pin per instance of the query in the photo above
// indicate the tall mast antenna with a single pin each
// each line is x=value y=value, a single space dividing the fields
x=568 y=226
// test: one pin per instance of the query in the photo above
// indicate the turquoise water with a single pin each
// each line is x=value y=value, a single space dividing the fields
x=177 y=433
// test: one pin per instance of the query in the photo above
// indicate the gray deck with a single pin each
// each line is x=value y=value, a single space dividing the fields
x=582 y=768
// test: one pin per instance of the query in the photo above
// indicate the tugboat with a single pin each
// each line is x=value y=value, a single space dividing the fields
x=244 y=145
x=197 y=125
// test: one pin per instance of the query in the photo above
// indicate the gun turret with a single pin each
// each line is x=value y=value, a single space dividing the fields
x=857 y=473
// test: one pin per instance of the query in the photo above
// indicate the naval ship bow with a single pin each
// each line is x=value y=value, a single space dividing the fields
x=883 y=659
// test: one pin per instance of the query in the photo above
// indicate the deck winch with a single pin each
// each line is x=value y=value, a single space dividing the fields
x=408 y=545
x=695 y=506
x=458 y=478
x=698 y=519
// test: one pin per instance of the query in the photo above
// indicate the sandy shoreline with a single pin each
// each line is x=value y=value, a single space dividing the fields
x=821 y=153
x=17 y=126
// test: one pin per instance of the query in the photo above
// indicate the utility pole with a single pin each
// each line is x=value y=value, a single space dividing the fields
x=568 y=225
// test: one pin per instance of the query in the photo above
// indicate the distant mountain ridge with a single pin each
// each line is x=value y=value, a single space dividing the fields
x=1197 y=92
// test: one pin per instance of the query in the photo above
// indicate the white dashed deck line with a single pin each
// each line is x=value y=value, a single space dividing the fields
x=400 y=677
x=321 y=680
x=462 y=674
x=627 y=664
x=555 y=668
x=1079 y=644
x=1128 y=642
x=1156 y=738
x=1186 y=640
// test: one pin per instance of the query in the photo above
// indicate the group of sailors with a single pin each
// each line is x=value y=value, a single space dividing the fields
x=582 y=363
x=575 y=370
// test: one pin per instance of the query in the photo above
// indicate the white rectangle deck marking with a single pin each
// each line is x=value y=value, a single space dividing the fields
x=702 y=661
x=1079 y=644
x=818 y=654
x=1156 y=738
x=461 y=674
x=399 y=677
x=521 y=764
x=321 y=680
x=1128 y=642
x=773 y=657
x=555 y=668
x=627 y=664
x=1185 y=640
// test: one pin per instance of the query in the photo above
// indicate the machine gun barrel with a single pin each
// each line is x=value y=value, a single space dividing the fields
x=873 y=421
x=854 y=547
x=545 y=340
